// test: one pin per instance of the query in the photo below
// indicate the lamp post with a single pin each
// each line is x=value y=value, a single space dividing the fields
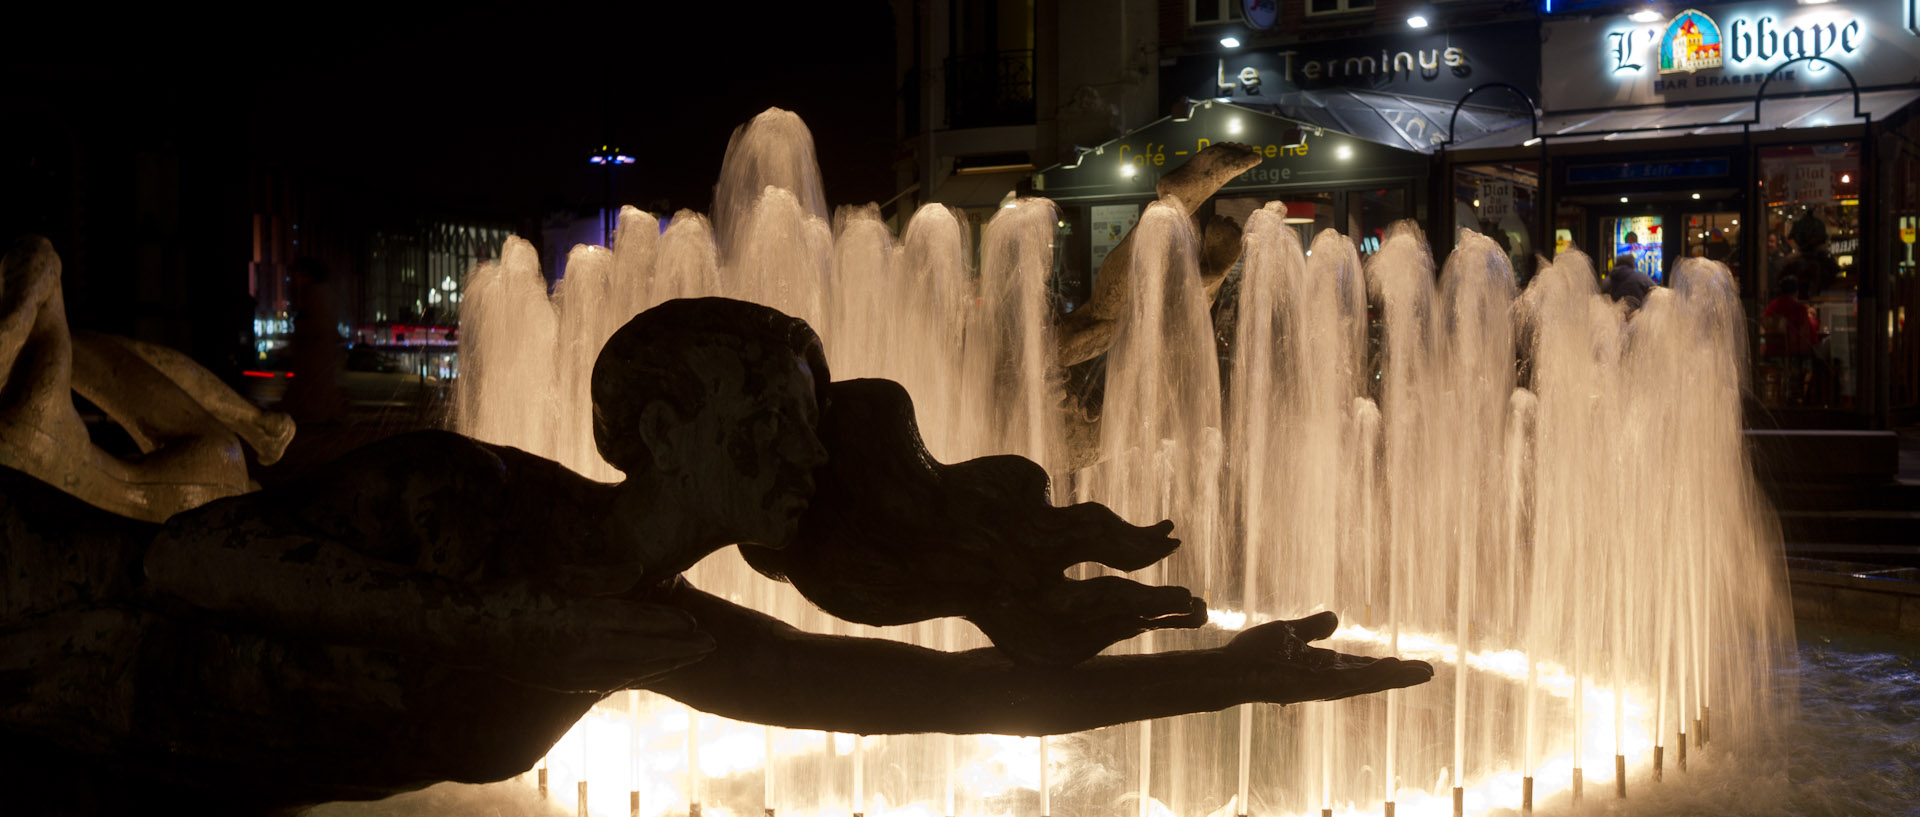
x=607 y=158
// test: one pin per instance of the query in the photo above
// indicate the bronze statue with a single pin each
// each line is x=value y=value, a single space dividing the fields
x=434 y=608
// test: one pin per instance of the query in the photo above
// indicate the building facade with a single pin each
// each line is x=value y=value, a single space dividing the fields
x=1776 y=137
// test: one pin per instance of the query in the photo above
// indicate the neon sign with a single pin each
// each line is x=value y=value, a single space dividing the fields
x=1692 y=41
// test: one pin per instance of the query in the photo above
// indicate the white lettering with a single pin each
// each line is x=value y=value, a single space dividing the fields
x=1250 y=79
x=1455 y=57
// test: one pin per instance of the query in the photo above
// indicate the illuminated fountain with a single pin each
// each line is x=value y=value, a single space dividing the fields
x=1573 y=539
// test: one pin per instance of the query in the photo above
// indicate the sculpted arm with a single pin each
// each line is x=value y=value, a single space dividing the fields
x=378 y=555
x=766 y=671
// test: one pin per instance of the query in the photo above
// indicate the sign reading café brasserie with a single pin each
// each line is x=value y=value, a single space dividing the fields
x=1724 y=52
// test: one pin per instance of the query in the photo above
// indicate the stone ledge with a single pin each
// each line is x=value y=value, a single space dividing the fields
x=1872 y=596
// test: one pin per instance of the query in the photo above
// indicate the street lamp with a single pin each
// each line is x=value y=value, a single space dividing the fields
x=608 y=158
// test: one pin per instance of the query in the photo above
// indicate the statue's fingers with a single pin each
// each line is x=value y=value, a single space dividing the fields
x=1316 y=626
x=1380 y=674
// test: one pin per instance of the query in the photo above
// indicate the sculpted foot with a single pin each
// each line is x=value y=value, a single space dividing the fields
x=1203 y=175
x=269 y=436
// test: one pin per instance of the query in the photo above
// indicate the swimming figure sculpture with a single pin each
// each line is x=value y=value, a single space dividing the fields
x=434 y=608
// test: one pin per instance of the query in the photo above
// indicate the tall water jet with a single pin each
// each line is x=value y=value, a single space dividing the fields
x=774 y=150
x=1009 y=346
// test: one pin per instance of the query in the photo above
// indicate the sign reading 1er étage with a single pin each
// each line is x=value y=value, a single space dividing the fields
x=1725 y=52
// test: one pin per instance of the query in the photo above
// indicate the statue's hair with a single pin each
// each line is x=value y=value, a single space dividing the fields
x=647 y=360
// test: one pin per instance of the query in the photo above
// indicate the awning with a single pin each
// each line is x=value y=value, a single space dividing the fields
x=1703 y=119
x=1295 y=153
x=1404 y=122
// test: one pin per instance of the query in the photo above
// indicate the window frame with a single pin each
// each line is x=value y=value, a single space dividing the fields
x=1343 y=8
x=1229 y=11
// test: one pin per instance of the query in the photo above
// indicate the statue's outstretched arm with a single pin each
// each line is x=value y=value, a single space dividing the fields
x=766 y=671
x=522 y=630
x=389 y=548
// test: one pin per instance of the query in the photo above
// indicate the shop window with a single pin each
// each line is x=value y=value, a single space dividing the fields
x=1308 y=214
x=1370 y=212
x=1337 y=6
x=1500 y=201
x=1808 y=353
x=1903 y=297
x=1203 y=12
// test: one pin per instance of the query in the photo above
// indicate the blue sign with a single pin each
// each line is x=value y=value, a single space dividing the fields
x=1647 y=171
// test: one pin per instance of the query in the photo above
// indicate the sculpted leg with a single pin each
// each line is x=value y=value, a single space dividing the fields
x=1088 y=331
x=189 y=456
x=268 y=432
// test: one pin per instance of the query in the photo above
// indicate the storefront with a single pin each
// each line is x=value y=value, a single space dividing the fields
x=1775 y=137
x=1326 y=178
x=1393 y=92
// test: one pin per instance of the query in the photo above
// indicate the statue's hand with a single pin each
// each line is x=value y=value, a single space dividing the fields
x=1286 y=668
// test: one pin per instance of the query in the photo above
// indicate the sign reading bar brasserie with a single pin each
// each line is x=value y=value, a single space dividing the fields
x=1440 y=65
x=1724 y=52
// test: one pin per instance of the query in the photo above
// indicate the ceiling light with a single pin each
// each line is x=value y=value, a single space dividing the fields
x=1696 y=197
x=1647 y=15
x=1623 y=199
x=1416 y=21
x=1230 y=42
x=1530 y=142
x=1846 y=178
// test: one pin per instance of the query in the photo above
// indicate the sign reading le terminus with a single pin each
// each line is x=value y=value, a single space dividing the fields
x=1440 y=65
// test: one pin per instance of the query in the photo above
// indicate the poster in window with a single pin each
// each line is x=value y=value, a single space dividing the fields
x=1111 y=222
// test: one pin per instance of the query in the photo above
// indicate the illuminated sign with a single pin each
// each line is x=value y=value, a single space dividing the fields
x=1647 y=171
x=1694 y=57
x=1441 y=65
x=1692 y=42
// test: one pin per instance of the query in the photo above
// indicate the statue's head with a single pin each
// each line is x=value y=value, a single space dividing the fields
x=722 y=397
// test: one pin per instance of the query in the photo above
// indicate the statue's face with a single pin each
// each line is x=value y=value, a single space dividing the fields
x=765 y=420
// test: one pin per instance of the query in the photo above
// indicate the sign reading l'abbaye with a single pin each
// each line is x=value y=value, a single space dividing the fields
x=1724 y=52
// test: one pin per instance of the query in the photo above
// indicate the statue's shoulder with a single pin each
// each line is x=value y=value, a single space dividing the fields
x=431 y=453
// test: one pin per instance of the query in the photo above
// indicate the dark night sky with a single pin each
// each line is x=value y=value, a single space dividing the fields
x=137 y=155
x=491 y=114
